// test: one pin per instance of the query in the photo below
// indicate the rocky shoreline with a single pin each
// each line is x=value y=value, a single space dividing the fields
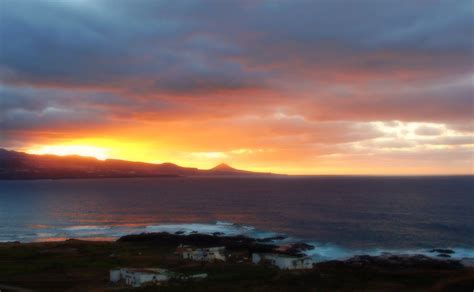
x=441 y=257
x=77 y=265
x=252 y=245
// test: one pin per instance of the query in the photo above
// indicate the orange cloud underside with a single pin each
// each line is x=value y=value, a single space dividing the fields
x=261 y=146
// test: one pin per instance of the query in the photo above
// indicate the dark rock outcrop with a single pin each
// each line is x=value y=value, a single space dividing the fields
x=403 y=261
x=270 y=239
x=441 y=250
x=200 y=240
x=205 y=240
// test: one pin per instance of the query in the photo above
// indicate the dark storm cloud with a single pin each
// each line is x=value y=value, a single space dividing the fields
x=66 y=119
x=195 y=45
x=435 y=103
x=43 y=109
x=82 y=43
x=132 y=58
x=48 y=108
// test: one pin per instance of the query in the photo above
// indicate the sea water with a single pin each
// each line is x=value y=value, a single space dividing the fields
x=340 y=215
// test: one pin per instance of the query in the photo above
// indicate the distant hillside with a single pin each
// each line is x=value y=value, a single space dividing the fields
x=224 y=169
x=19 y=165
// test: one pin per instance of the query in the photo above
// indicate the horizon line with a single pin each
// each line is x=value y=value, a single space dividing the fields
x=262 y=172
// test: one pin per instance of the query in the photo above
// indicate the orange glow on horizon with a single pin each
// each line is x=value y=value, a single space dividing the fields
x=98 y=148
x=205 y=145
x=64 y=150
x=259 y=160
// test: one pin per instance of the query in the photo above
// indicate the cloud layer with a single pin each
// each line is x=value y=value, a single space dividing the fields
x=299 y=86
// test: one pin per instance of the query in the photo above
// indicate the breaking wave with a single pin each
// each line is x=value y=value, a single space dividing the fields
x=219 y=228
x=325 y=252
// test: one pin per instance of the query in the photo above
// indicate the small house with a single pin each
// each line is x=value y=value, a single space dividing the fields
x=282 y=261
x=209 y=254
x=140 y=277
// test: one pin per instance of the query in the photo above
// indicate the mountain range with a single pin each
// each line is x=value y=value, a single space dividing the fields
x=20 y=165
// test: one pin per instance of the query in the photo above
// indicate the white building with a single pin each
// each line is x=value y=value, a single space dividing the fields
x=197 y=276
x=209 y=254
x=139 y=277
x=284 y=262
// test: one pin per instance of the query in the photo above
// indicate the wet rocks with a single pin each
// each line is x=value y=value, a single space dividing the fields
x=218 y=239
x=403 y=261
x=199 y=240
x=442 y=251
x=296 y=249
x=443 y=255
x=270 y=239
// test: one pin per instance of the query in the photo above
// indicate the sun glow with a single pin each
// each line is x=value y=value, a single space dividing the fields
x=63 y=150
x=102 y=149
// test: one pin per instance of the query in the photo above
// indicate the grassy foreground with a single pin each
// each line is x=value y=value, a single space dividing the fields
x=84 y=266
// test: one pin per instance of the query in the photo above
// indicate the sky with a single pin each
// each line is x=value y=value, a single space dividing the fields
x=298 y=87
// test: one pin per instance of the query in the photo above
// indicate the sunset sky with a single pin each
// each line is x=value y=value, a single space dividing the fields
x=300 y=87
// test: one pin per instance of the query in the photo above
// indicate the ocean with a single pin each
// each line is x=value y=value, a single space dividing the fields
x=340 y=215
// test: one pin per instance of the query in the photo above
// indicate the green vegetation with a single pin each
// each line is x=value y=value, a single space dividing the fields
x=84 y=266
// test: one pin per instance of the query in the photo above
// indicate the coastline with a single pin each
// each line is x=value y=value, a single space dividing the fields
x=274 y=243
x=78 y=264
x=321 y=251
